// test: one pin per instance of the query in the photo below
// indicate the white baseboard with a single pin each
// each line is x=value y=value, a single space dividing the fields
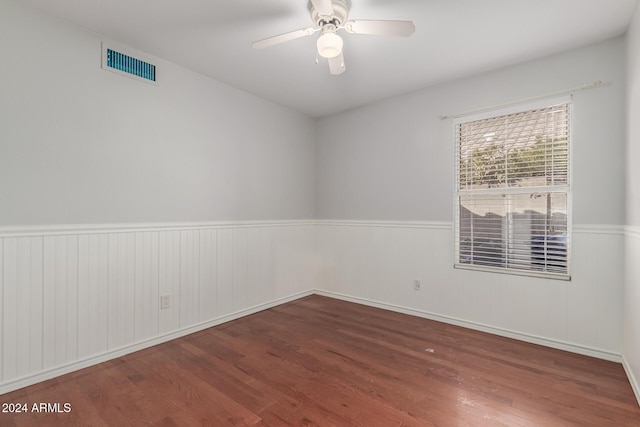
x=48 y=374
x=632 y=378
x=560 y=345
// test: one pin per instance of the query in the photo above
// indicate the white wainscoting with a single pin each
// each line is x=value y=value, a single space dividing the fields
x=376 y=263
x=77 y=295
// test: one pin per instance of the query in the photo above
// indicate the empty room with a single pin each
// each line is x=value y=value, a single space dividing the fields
x=320 y=212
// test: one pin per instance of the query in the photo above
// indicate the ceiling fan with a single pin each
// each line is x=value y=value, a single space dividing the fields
x=330 y=16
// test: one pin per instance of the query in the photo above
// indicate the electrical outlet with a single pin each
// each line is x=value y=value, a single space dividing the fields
x=417 y=284
x=165 y=302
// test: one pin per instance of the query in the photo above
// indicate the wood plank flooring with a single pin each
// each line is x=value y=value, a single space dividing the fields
x=321 y=361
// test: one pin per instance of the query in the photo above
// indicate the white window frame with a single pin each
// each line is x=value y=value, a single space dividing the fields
x=513 y=109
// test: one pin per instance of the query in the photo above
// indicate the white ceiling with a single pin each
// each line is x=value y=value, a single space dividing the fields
x=453 y=38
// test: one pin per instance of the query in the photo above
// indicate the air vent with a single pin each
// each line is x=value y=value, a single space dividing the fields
x=125 y=62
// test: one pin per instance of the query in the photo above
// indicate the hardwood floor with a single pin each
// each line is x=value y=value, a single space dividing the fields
x=320 y=361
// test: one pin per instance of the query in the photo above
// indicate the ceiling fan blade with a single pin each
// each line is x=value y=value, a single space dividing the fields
x=261 y=44
x=336 y=65
x=382 y=28
x=323 y=7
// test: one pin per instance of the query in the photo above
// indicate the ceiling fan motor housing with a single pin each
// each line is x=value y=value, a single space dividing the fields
x=339 y=17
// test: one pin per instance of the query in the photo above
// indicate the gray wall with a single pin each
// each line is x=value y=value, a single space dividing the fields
x=393 y=160
x=633 y=124
x=80 y=145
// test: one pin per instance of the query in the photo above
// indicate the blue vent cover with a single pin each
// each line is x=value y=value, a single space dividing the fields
x=128 y=64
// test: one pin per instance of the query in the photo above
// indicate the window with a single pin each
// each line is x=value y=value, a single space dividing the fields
x=513 y=191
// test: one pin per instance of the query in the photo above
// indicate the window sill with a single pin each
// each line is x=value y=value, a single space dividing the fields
x=515 y=272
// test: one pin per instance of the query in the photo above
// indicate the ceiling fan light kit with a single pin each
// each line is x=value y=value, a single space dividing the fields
x=330 y=16
x=329 y=45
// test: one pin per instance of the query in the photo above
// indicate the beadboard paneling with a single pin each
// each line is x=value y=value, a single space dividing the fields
x=93 y=303
x=72 y=295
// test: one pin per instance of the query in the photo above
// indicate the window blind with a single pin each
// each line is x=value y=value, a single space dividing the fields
x=512 y=189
